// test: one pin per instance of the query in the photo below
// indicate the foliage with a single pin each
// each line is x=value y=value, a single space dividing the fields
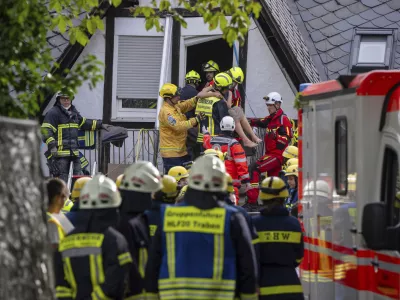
x=214 y=13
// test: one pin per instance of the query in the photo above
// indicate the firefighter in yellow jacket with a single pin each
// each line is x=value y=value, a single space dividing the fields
x=174 y=125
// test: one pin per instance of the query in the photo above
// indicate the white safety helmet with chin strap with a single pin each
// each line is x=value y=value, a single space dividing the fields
x=142 y=177
x=227 y=124
x=99 y=193
x=208 y=174
x=321 y=188
x=272 y=98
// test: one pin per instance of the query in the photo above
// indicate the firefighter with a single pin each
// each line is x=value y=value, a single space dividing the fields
x=58 y=226
x=192 y=80
x=181 y=176
x=214 y=108
x=276 y=140
x=174 y=125
x=140 y=180
x=280 y=246
x=210 y=68
x=167 y=195
x=203 y=248
x=93 y=260
x=60 y=132
x=236 y=111
x=292 y=174
x=181 y=195
x=290 y=152
x=235 y=158
x=76 y=193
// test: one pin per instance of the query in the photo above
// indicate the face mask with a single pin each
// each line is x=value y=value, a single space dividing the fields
x=68 y=107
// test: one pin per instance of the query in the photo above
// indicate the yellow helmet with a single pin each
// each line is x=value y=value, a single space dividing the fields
x=216 y=153
x=292 y=170
x=183 y=191
x=291 y=152
x=67 y=206
x=170 y=187
x=210 y=66
x=119 y=180
x=169 y=90
x=291 y=162
x=192 y=76
x=78 y=186
x=178 y=173
x=272 y=188
x=237 y=74
x=229 y=188
x=351 y=179
x=222 y=80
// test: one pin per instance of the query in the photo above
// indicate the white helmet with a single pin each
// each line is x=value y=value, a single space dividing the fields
x=321 y=189
x=141 y=177
x=227 y=124
x=208 y=174
x=273 y=97
x=100 y=192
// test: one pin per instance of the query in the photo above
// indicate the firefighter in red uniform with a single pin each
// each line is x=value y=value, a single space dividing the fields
x=235 y=160
x=277 y=138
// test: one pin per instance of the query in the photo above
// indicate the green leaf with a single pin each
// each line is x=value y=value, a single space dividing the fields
x=149 y=24
x=222 y=22
x=90 y=27
x=62 y=25
x=56 y=5
x=81 y=37
x=116 y=3
x=72 y=36
x=99 y=23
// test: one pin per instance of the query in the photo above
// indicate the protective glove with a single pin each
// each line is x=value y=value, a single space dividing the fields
x=199 y=117
x=204 y=129
x=272 y=135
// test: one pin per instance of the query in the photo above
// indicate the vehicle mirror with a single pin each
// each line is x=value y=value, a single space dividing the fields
x=374 y=228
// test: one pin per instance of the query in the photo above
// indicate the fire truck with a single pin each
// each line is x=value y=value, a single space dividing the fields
x=349 y=187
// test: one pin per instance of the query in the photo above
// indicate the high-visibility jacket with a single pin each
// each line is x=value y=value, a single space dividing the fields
x=60 y=128
x=214 y=109
x=280 y=249
x=92 y=265
x=198 y=255
x=60 y=229
x=279 y=124
x=174 y=126
x=235 y=159
x=153 y=216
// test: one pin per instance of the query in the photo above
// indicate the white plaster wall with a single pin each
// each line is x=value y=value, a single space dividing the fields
x=88 y=102
x=264 y=76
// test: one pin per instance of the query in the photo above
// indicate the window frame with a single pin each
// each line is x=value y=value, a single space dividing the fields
x=388 y=181
x=340 y=191
x=363 y=67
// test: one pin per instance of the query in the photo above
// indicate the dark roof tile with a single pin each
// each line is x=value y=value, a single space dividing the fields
x=345 y=59
x=332 y=6
x=343 y=13
x=357 y=8
x=337 y=40
x=317 y=36
x=335 y=66
x=321 y=1
x=318 y=11
x=367 y=25
x=394 y=4
x=397 y=60
x=369 y=15
x=317 y=24
x=356 y=20
x=306 y=16
x=346 y=47
x=325 y=58
x=348 y=34
x=381 y=22
x=330 y=18
x=337 y=53
x=330 y=31
x=346 y=2
x=307 y=3
x=324 y=46
x=371 y=3
x=344 y=71
x=343 y=25
x=382 y=9
x=394 y=16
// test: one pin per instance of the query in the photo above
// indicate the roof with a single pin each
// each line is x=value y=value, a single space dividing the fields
x=327 y=27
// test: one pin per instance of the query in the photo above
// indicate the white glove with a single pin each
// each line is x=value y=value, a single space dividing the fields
x=204 y=129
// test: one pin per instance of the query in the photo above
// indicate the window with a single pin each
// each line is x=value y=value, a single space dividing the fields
x=341 y=156
x=390 y=186
x=372 y=49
